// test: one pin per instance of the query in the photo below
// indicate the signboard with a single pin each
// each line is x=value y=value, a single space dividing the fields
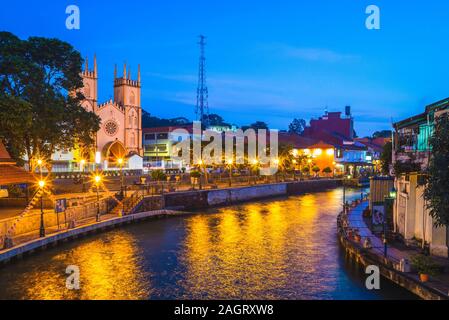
x=61 y=205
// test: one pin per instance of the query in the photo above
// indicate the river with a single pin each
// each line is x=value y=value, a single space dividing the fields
x=283 y=248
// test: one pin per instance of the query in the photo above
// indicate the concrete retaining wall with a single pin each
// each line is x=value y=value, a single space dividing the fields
x=42 y=243
x=208 y=198
x=366 y=258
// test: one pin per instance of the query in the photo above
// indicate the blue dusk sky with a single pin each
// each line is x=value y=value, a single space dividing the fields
x=266 y=60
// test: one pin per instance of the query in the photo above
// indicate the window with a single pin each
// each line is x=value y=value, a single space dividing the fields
x=150 y=136
x=162 y=136
x=133 y=139
x=132 y=98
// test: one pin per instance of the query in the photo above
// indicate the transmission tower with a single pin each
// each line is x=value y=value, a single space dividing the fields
x=202 y=94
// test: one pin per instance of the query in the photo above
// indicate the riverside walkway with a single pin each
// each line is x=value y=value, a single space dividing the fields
x=353 y=223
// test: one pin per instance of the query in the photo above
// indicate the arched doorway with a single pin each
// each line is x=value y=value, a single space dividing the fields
x=113 y=151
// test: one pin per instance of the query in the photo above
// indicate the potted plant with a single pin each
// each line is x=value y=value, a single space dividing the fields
x=194 y=176
x=316 y=170
x=424 y=266
x=327 y=171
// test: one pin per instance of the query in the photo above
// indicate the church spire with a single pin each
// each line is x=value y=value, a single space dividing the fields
x=138 y=74
x=86 y=66
x=115 y=72
x=124 y=71
x=95 y=65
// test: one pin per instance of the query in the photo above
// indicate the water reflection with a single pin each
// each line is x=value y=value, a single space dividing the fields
x=109 y=269
x=276 y=249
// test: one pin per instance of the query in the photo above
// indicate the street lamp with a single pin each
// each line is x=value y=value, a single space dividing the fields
x=82 y=163
x=41 y=184
x=388 y=200
x=97 y=180
x=230 y=162
x=255 y=163
x=120 y=162
x=393 y=193
x=344 y=192
x=200 y=166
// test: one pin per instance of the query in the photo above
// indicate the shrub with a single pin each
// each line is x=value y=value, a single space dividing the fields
x=306 y=169
x=327 y=170
x=424 y=264
x=195 y=174
x=158 y=175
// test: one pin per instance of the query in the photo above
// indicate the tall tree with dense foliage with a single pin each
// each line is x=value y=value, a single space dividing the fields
x=297 y=126
x=40 y=100
x=382 y=134
x=386 y=158
x=437 y=190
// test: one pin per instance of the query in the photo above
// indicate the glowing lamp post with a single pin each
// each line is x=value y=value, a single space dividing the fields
x=97 y=180
x=120 y=162
x=41 y=185
x=82 y=164
x=255 y=163
x=230 y=162
x=388 y=200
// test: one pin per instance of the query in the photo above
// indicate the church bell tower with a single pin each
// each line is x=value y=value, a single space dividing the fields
x=127 y=95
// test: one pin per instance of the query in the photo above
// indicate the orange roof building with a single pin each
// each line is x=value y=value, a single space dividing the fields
x=10 y=173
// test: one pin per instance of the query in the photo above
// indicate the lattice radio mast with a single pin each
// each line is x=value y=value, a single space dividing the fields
x=202 y=94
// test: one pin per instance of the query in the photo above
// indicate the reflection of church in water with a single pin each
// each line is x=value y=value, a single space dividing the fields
x=120 y=134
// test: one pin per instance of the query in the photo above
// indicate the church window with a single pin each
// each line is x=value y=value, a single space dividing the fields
x=132 y=98
x=111 y=127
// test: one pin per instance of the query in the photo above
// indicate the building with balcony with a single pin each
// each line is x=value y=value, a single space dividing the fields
x=158 y=143
x=411 y=155
x=351 y=156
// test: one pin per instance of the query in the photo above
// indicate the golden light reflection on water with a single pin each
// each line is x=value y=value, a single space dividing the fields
x=109 y=269
x=244 y=252
x=277 y=249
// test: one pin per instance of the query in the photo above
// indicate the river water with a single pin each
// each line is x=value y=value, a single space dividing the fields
x=283 y=248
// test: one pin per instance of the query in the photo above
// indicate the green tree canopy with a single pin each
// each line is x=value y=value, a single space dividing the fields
x=386 y=158
x=256 y=126
x=40 y=101
x=437 y=191
x=297 y=126
x=382 y=134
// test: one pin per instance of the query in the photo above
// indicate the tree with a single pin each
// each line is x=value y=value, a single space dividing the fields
x=316 y=169
x=437 y=190
x=158 y=175
x=386 y=158
x=327 y=170
x=149 y=121
x=256 y=126
x=297 y=126
x=215 y=120
x=382 y=134
x=40 y=99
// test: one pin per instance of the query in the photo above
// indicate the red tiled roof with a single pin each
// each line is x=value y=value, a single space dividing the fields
x=296 y=140
x=4 y=155
x=168 y=129
x=11 y=174
x=321 y=145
